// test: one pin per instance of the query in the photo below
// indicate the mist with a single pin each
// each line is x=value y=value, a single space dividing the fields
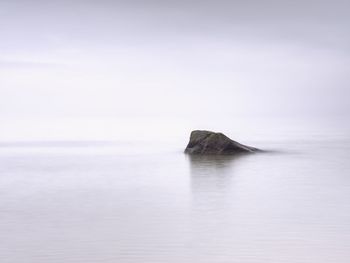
x=109 y=69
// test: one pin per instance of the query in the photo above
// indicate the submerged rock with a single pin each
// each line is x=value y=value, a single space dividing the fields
x=207 y=142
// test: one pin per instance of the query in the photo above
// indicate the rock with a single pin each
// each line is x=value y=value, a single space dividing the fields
x=207 y=142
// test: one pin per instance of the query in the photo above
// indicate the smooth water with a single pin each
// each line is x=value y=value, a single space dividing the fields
x=119 y=202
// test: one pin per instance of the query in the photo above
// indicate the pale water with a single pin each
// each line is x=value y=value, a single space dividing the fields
x=130 y=202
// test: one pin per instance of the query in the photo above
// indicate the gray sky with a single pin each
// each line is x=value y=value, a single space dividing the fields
x=79 y=63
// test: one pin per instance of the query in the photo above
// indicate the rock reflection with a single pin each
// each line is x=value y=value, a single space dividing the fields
x=211 y=171
x=211 y=179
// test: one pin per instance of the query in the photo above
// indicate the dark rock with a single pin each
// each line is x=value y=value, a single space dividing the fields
x=207 y=142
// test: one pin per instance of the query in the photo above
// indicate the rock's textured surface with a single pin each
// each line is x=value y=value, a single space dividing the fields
x=207 y=142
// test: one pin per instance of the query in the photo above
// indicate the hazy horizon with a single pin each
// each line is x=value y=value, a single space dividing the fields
x=68 y=66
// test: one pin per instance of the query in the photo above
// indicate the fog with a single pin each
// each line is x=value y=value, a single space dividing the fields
x=109 y=69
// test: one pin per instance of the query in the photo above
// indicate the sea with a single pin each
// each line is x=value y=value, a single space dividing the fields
x=139 y=201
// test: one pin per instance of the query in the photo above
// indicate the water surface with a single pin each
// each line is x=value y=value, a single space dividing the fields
x=126 y=202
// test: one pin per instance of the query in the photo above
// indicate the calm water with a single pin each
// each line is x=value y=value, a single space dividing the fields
x=119 y=202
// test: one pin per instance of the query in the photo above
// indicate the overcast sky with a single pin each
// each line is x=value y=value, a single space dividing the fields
x=69 y=62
